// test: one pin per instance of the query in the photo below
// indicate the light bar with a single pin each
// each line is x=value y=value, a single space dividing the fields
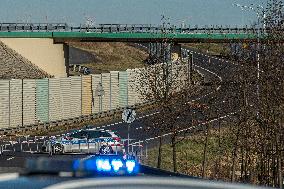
x=116 y=164
x=103 y=165
x=130 y=164
x=110 y=165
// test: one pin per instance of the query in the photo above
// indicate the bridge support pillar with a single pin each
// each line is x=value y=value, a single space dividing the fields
x=42 y=52
x=176 y=52
x=66 y=57
x=170 y=51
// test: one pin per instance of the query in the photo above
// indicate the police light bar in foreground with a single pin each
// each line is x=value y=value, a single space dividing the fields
x=107 y=165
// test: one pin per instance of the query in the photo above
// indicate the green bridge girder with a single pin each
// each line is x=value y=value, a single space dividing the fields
x=61 y=37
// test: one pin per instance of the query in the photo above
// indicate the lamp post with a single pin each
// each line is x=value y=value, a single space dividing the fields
x=260 y=15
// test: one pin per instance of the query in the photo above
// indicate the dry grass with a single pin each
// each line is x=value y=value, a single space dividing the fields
x=190 y=154
x=210 y=48
x=112 y=56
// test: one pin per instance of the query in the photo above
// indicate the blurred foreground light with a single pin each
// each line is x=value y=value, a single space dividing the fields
x=103 y=165
x=130 y=164
x=106 y=165
x=116 y=164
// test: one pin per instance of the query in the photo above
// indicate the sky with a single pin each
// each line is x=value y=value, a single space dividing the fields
x=74 y=12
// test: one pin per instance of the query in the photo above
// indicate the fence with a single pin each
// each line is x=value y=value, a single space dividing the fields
x=34 y=144
x=39 y=101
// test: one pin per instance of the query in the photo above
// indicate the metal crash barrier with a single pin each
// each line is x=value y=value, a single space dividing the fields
x=34 y=144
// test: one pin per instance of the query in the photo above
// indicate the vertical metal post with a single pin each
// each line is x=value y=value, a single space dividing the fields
x=258 y=65
x=101 y=100
x=88 y=145
x=29 y=144
x=21 y=144
x=37 y=148
x=141 y=151
x=190 y=62
x=128 y=129
x=49 y=148
x=9 y=120
x=146 y=150
x=110 y=91
x=22 y=102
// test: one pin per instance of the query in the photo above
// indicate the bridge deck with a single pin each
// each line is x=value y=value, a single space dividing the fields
x=61 y=32
x=60 y=37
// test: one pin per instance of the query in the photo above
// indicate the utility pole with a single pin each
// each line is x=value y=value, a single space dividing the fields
x=190 y=62
x=260 y=15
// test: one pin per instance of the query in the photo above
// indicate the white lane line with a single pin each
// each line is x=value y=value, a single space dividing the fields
x=218 y=88
x=220 y=78
x=190 y=128
x=199 y=98
x=10 y=158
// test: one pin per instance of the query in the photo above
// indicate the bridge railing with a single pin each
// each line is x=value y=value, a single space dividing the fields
x=120 y=28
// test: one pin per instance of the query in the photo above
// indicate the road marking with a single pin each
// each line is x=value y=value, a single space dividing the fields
x=190 y=128
x=10 y=158
x=199 y=98
x=186 y=129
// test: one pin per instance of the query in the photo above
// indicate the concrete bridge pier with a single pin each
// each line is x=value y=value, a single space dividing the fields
x=170 y=51
x=53 y=58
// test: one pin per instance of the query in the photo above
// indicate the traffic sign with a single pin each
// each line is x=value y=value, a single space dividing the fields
x=128 y=115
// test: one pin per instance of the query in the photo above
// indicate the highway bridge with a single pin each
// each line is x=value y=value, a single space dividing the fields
x=62 y=33
x=46 y=44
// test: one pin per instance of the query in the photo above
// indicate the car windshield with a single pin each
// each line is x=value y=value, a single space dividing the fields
x=79 y=134
x=98 y=134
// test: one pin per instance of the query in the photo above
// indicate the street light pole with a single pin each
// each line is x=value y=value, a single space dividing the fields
x=128 y=137
x=259 y=16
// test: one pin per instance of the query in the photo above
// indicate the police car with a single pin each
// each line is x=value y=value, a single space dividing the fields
x=85 y=141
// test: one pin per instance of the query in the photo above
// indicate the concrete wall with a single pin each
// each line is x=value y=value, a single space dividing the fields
x=44 y=53
x=176 y=52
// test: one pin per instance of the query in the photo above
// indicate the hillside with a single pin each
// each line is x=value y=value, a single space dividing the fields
x=111 y=56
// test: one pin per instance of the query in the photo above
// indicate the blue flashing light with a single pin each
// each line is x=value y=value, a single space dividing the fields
x=90 y=165
x=111 y=165
x=116 y=164
x=76 y=165
x=103 y=165
x=130 y=165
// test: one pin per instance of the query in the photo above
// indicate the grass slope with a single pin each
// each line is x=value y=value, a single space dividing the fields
x=215 y=49
x=190 y=155
x=112 y=56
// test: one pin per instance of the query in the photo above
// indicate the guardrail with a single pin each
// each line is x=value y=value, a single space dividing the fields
x=34 y=144
x=65 y=122
x=118 y=28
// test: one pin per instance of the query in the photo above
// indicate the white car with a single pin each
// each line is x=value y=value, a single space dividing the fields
x=85 y=141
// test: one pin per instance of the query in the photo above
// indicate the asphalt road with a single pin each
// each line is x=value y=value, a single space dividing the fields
x=223 y=99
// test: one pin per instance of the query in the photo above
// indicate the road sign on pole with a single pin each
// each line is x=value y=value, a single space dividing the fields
x=128 y=116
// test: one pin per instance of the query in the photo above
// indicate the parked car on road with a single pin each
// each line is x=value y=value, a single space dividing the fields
x=84 y=141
